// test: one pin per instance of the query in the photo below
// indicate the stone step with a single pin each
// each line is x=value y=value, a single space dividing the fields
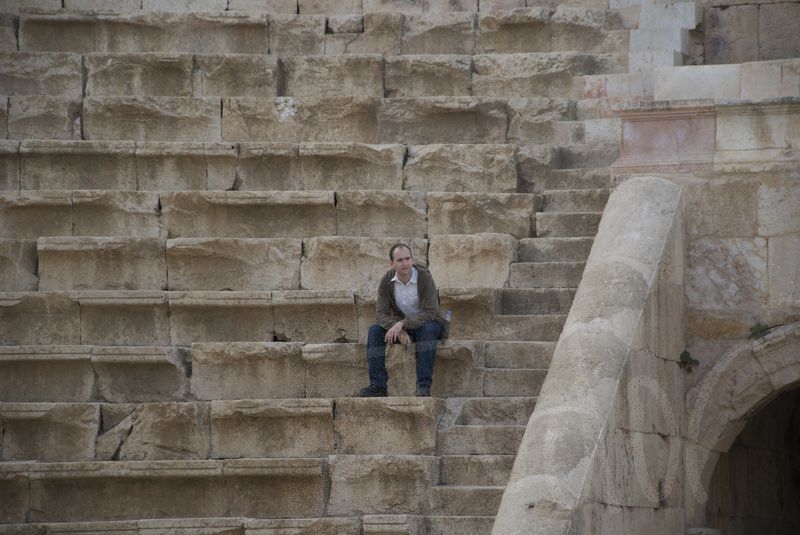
x=547 y=274
x=538 y=177
x=466 y=500
x=580 y=200
x=18 y=265
x=504 y=382
x=554 y=249
x=567 y=225
x=480 y=439
x=495 y=411
x=458 y=525
x=541 y=300
x=519 y=354
x=475 y=470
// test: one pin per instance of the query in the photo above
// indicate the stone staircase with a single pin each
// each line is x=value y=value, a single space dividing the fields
x=195 y=211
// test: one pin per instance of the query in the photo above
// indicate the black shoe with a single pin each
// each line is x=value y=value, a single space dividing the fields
x=372 y=391
x=423 y=391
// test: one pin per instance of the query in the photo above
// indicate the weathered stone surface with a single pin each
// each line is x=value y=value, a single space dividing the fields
x=9 y=165
x=39 y=318
x=569 y=225
x=381 y=213
x=249 y=214
x=542 y=121
x=381 y=35
x=477 y=260
x=427 y=75
x=27 y=373
x=520 y=30
x=423 y=6
x=519 y=354
x=185 y=166
x=351 y=166
x=329 y=7
x=546 y=274
x=48 y=431
x=115 y=213
x=77 y=165
x=778 y=206
x=459 y=501
x=698 y=82
x=233 y=264
x=775 y=36
x=325 y=76
x=184 y=5
x=150 y=75
x=344 y=24
x=28 y=215
x=14 y=493
x=286 y=119
x=269 y=6
x=474 y=470
x=442 y=120
x=334 y=370
x=480 y=439
x=296 y=35
x=235 y=75
x=122 y=6
x=432 y=33
x=731 y=34
x=783 y=275
x=139 y=374
x=122 y=318
x=500 y=5
x=467 y=213
x=152 y=118
x=200 y=316
x=101 y=264
x=349 y=262
x=247 y=370
x=306 y=526
x=482 y=167
x=272 y=428
x=315 y=316
x=362 y=484
x=163 y=431
x=766 y=79
x=18 y=268
x=43 y=117
x=723 y=209
x=555 y=249
x=56 y=75
x=267 y=166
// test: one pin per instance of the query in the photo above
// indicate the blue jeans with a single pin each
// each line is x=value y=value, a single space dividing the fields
x=426 y=337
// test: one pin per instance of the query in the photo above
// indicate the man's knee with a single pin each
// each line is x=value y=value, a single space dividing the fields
x=376 y=330
x=431 y=330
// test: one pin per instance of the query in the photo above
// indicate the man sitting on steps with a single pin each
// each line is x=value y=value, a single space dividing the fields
x=407 y=310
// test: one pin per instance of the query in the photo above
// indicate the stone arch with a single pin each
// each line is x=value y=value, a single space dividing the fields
x=745 y=379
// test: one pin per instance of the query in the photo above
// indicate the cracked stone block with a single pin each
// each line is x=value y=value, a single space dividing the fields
x=239 y=75
x=18 y=268
x=344 y=24
x=482 y=167
x=39 y=318
x=398 y=214
x=139 y=374
x=116 y=213
x=296 y=35
x=542 y=121
x=185 y=166
x=323 y=76
x=139 y=75
x=428 y=75
x=459 y=370
x=240 y=370
x=381 y=34
x=25 y=73
x=76 y=165
x=52 y=373
x=477 y=260
x=101 y=264
x=233 y=264
x=350 y=262
x=44 y=117
x=515 y=31
x=122 y=318
x=48 y=431
x=439 y=33
x=469 y=213
x=152 y=118
x=166 y=431
x=272 y=428
x=219 y=317
x=351 y=166
x=266 y=166
x=28 y=215
x=286 y=119
x=315 y=316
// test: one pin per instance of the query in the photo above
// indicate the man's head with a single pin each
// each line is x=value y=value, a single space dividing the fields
x=401 y=260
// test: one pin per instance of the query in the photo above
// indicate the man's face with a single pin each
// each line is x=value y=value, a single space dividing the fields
x=402 y=261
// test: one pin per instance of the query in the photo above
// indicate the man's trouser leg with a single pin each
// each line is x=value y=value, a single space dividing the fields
x=376 y=356
x=426 y=337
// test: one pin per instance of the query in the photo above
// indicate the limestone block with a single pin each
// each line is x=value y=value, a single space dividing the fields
x=219 y=317
x=784 y=277
x=349 y=262
x=4 y=115
x=698 y=82
x=33 y=214
x=152 y=118
x=483 y=167
x=481 y=439
x=542 y=121
x=731 y=34
x=18 y=266
x=296 y=35
x=427 y=75
x=381 y=213
x=208 y=526
x=727 y=273
x=344 y=24
x=140 y=374
x=375 y=484
x=184 y=5
x=123 y=6
x=519 y=30
x=135 y=75
x=116 y=213
x=48 y=431
x=393 y=524
x=238 y=214
x=433 y=33
x=387 y=426
x=442 y=120
x=420 y=6
x=121 y=318
x=476 y=470
x=765 y=79
x=329 y=7
x=477 y=260
x=14 y=494
x=315 y=316
x=259 y=6
x=351 y=166
x=602 y=131
x=101 y=264
x=692 y=140
x=500 y=5
x=467 y=213
x=272 y=428
x=235 y=75
x=519 y=354
x=776 y=38
x=43 y=117
x=778 y=206
x=27 y=373
x=57 y=75
x=77 y=165
x=381 y=34
x=322 y=76
x=267 y=166
x=163 y=431
x=233 y=264
x=334 y=370
x=9 y=165
x=723 y=209
x=306 y=526
x=185 y=166
x=287 y=119
x=39 y=318
x=247 y=370
x=458 y=372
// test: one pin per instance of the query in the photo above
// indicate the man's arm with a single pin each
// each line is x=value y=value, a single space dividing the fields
x=385 y=317
x=428 y=304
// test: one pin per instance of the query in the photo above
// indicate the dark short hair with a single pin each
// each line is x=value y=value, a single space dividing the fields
x=395 y=247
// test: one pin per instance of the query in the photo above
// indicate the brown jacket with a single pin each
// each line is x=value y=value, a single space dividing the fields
x=388 y=313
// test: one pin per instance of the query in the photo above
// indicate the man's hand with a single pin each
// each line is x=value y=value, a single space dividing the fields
x=405 y=339
x=393 y=334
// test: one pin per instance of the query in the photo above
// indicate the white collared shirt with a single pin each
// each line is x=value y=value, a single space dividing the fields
x=406 y=295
